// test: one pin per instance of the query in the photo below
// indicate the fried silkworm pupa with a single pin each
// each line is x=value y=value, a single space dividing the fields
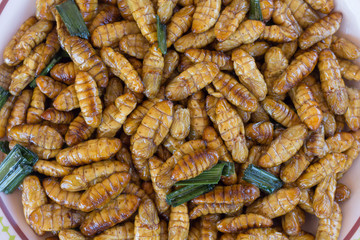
x=110 y=34
x=345 y=49
x=5 y=112
x=298 y=69
x=5 y=76
x=163 y=179
x=235 y=92
x=171 y=61
x=153 y=128
x=98 y=195
x=276 y=204
x=194 y=40
x=40 y=151
x=261 y=132
x=179 y=24
x=249 y=74
x=199 y=161
x=349 y=70
x=340 y=142
x=296 y=165
x=57 y=117
x=121 y=231
x=332 y=84
x=70 y=234
x=122 y=69
x=243 y=222
x=64 y=72
x=323 y=6
x=320 y=30
x=262 y=233
x=306 y=106
x=160 y=193
x=302 y=236
x=198 y=117
x=165 y=9
x=33 y=196
x=329 y=228
x=113 y=90
x=202 y=55
x=147 y=222
x=213 y=208
x=152 y=71
x=49 y=86
x=180 y=127
x=46 y=218
x=291 y=140
x=124 y=10
x=179 y=223
x=324 y=196
x=205 y=16
x=60 y=196
x=342 y=193
x=191 y=80
x=90 y=151
x=292 y=221
x=117 y=211
x=40 y=135
x=256 y=49
x=52 y=168
x=37 y=107
x=133 y=121
x=88 y=9
x=280 y=112
x=67 y=99
x=316 y=172
x=85 y=176
x=19 y=109
x=144 y=14
x=78 y=131
x=352 y=114
x=234 y=194
x=107 y=14
x=248 y=32
x=44 y=9
x=230 y=19
x=234 y=138
x=89 y=99
x=115 y=114
x=208 y=226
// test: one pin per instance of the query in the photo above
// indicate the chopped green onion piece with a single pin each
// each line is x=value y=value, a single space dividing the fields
x=211 y=176
x=255 y=10
x=73 y=19
x=187 y=193
x=4 y=147
x=4 y=95
x=55 y=60
x=15 y=167
x=262 y=179
x=161 y=35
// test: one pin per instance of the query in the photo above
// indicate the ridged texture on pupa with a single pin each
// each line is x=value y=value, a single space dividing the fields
x=261 y=132
x=345 y=49
x=78 y=131
x=64 y=72
x=106 y=14
x=206 y=14
x=193 y=40
x=67 y=99
x=89 y=99
x=123 y=231
x=147 y=222
x=329 y=228
x=98 y=195
x=144 y=14
x=332 y=84
x=179 y=223
x=202 y=55
x=51 y=168
x=49 y=86
x=191 y=80
x=88 y=8
x=117 y=211
x=19 y=109
x=276 y=204
x=262 y=233
x=90 y=151
x=242 y=222
x=165 y=9
x=37 y=107
x=295 y=167
x=231 y=129
x=198 y=117
x=330 y=164
x=40 y=135
x=248 y=73
x=46 y=218
x=324 y=196
x=320 y=30
x=152 y=71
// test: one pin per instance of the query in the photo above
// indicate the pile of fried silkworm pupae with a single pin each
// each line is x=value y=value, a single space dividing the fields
x=118 y=123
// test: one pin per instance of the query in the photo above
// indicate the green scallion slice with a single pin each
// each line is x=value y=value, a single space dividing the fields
x=187 y=193
x=4 y=95
x=161 y=35
x=73 y=19
x=262 y=179
x=255 y=10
